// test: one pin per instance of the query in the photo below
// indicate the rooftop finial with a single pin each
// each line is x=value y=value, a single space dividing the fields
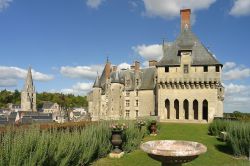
x=107 y=59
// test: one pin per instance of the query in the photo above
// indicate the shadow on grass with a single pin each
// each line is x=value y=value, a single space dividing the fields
x=224 y=148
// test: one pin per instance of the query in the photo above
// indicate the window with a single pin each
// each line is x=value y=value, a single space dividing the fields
x=205 y=68
x=137 y=113
x=137 y=82
x=185 y=69
x=217 y=68
x=136 y=103
x=127 y=113
x=166 y=69
x=137 y=93
x=127 y=103
x=127 y=93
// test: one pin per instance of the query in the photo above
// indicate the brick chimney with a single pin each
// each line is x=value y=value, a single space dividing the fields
x=185 y=19
x=114 y=68
x=137 y=66
x=152 y=63
x=107 y=70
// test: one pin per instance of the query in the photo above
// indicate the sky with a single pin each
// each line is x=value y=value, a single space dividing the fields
x=66 y=42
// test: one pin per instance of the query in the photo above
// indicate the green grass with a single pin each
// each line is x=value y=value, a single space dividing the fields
x=217 y=155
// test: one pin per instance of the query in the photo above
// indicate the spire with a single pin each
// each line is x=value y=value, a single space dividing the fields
x=96 y=84
x=29 y=80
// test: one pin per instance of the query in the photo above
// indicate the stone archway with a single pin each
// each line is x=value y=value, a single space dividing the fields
x=195 y=109
x=185 y=107
x=167 y=106
x=205 y=110
x=176 y=107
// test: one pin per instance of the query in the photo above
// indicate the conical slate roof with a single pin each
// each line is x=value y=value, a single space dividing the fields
x=29 y=81
x=187 y=41
x=97 y=83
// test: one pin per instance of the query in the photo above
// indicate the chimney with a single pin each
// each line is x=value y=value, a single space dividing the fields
x=114 y=68
x=152 y=63
x=185 y=19
x=107 y=70
x=137 y=66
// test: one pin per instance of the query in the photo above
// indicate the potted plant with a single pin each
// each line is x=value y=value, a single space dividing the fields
x=153 y=127
x=116 y=139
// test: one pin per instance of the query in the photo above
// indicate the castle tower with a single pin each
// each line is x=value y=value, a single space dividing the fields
x=28 y=95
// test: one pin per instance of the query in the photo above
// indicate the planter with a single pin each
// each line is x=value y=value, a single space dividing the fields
x=172 y=152
x=116 y=140
x=153 y=128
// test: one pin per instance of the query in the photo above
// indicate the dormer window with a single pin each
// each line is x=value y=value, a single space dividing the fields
x=205 y=68
x=127 y=82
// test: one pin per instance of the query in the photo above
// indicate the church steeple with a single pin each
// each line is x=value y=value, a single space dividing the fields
x=29 y=81
x=28 y=96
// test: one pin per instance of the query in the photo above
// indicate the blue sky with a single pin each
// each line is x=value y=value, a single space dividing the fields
x=66 y=42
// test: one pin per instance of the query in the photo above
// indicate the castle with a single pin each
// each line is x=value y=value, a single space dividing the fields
x=184 y=86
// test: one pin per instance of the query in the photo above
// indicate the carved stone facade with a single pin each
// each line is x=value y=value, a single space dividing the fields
x=28 y=94
x=185 y=85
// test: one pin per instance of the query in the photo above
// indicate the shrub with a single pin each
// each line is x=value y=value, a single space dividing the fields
x=70 y=146
x=238 y=135
x=239 y=138
x=217 y=126
x=133 y=136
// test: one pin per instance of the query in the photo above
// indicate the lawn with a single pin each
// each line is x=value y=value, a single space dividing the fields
x=217 y=155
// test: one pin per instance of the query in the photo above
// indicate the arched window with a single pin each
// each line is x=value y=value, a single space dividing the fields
x=185 y=106
x=176 y=107
x=167 y=106
x=195 y=109
x=205 y=110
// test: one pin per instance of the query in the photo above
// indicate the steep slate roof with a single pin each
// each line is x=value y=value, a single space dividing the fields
x=187 y=41
x=47 y=105
x=146 y=75
x=97 y=83
x=147 y=79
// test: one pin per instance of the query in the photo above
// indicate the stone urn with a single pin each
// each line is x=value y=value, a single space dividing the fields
x=116 y=140
x=153 y=128
x=172 y=152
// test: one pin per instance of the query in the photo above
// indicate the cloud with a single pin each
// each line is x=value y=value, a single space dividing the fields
x=94 y=3
x=149 y=52
x=229 y=65
x=80 y=88
x=4 y=4
x=170 y=9
x=10 y=75
x=8 y=82
x=124 y=66
x=240 y=8
x=237 y=97
x=233 y=72
x=84 y=72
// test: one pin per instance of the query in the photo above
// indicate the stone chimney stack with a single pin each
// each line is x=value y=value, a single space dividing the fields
x=185 y=19
x=137 y=66
x=152 y=63
x=107 y=69
x=114 y=68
